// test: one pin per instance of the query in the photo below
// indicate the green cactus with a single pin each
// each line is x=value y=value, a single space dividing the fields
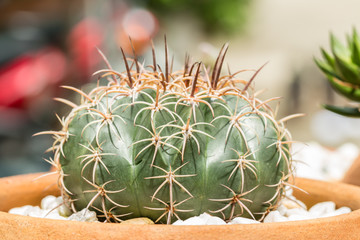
x=172 y=145
x=342 y=69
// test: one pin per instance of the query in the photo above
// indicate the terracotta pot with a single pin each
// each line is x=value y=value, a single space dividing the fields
x=21 y=190
x=352 y=176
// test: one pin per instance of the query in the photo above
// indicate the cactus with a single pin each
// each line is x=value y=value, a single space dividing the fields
x=342 y=69
x=171 y=145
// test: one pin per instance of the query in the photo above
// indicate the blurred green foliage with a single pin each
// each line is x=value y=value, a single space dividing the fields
x=225 y=16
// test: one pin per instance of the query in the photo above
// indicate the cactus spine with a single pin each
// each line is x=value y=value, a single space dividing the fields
x=171 y=145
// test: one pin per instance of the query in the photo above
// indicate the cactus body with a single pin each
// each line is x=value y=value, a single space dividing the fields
x=171 y=146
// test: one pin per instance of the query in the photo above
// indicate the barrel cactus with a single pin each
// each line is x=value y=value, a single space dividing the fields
x=172 y=145
x=342 y=68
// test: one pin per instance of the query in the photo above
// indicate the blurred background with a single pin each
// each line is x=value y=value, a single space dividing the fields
x=48 y=43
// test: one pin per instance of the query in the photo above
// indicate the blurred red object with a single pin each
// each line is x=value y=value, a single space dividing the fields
x=30 y=75
x=141 y=26
x=83 y=39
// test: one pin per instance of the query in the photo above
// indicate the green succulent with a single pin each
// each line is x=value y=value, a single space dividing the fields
x=342 y=68
x=172 y=145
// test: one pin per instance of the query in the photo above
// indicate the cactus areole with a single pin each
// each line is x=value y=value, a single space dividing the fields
x=172 y=145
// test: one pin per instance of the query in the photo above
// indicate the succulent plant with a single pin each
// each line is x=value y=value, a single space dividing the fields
x=171 y=145
x=342 y=68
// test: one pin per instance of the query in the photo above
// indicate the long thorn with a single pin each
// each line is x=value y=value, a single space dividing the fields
x=127 y=69
x=253 y=77
x=193 y=87
x=106 y=62
x=65 y=101
x=153 y=55
x=166 y=61
x=78 y=91
x=135 y=56
x=218 y=65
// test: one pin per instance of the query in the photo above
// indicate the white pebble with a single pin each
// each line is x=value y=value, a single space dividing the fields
x=63 y=209
x=211 y=220
x=274 y=216
x=291 y=202
x=49 y=203
x=322 y=208
x=84 y=216
x=56 y=205
x=24 y=210
x=297 y=217
x=342 y=210
x=192 y=221
x=282 y=209
x=179 y=222
x=296 y=211
x=241 y=220
x=53 y=215
x=36 y=212
x=205 y=216
x=203 y=219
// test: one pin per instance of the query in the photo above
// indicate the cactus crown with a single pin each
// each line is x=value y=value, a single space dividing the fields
x=171 y=145
x=342 y=68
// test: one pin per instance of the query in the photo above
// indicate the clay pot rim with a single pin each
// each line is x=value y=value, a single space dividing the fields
x=353 y=214
x=336 y=222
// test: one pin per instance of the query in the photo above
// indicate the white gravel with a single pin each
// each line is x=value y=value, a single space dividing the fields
x=52 y=207
x=289 y=210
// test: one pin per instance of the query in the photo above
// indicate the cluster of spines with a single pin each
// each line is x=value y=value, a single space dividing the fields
x=191 y=86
